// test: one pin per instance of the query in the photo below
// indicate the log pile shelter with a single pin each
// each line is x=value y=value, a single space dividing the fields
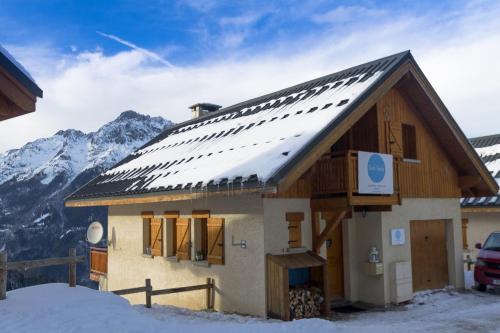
x=364 y=168
x=18 y=90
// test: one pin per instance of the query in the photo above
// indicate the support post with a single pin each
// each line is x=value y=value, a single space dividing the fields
x=212 y=297
x=148 y=293
x=3 y=275
x=209 y=292
x=72 y=268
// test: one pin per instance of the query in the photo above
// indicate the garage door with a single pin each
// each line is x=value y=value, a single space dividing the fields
x=428 y=254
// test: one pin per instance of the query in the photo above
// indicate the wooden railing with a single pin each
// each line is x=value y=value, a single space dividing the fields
x=149 y=292
x=25 y=265
x=338 y=174
x=98 y=262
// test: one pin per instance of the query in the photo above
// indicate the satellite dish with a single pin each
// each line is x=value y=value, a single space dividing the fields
x=95 y=232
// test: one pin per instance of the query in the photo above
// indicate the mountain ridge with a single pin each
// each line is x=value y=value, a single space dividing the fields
x=37 y=177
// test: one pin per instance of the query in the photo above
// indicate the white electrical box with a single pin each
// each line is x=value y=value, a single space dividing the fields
x=401 y=282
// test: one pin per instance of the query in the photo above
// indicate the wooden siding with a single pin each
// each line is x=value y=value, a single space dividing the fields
x=431 y=175
x=98 y=261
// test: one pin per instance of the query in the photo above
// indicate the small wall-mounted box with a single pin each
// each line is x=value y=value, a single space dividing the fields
x=373 y=268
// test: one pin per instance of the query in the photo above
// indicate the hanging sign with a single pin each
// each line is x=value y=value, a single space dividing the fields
x=375 y=173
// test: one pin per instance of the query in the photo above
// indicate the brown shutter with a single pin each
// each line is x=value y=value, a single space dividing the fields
x=215 y=240
x=156 y=237
x=183 y=238
x=394 y=137
x=294 y=220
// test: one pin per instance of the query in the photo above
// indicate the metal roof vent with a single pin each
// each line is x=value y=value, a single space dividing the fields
x=201 y=109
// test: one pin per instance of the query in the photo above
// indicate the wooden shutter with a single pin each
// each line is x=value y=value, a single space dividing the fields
x=183 y=238
x=215 y=240
x=156 y=237
x=294 y=220
x=394 y=138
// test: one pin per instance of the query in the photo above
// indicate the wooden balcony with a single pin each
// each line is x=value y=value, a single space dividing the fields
x=336 y=176
x=98 y=263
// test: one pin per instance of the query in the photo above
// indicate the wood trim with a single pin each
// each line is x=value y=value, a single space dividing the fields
x=147 y=214
x=16 y=92
x=295 y=216
x=324 y=146
x=200 y=214
x=171 y=214
x=129 y=200
x=484 y=209
x=331 y=224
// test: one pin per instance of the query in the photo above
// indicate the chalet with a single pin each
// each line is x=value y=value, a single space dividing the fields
x=348 y=185
x=18 y=90
x=481 y=214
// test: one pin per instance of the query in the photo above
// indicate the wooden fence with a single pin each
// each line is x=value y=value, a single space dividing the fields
x=6 y=266
x=149 y=292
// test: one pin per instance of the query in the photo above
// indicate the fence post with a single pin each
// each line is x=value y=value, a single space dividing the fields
x=72 y=268
x=148 y=293
x=3 y=275
x=212 y=298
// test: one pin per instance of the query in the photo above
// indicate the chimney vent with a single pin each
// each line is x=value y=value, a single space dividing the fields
x=201 y=109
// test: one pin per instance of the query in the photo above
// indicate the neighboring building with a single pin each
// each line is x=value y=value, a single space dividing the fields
x=481 y=214
x=18 y=90
x=363 y=163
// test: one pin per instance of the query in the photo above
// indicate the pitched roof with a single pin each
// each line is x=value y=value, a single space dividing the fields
x=488 y=148
x=15 y=69
x=244 y=145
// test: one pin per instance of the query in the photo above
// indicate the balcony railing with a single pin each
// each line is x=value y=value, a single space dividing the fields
x=98 y=262
x=337 y=174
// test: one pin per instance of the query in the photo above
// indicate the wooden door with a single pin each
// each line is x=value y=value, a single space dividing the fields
x=335 y=263
x=429 y=259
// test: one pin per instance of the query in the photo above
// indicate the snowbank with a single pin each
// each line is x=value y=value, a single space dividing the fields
x=58 y=308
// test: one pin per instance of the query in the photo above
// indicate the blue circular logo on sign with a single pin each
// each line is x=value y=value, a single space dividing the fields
x=398 y=234
x=376 y=168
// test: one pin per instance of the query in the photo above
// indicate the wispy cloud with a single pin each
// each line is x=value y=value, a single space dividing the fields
x=150 y=54
x=343 y=14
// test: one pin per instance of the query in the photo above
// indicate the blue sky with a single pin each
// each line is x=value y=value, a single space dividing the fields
x=95 y=59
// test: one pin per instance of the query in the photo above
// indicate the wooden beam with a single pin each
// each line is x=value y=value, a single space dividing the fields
x=147 y=214
x=129 y=199
x=171 y=214
x=16 y=92
x=331 y=224
x=329 y=204
x=29 y=264
x=200 y=214
x=295 y=216
x=481 y=209
x=467 y=182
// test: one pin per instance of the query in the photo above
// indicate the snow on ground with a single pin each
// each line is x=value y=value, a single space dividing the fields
x=58 y=308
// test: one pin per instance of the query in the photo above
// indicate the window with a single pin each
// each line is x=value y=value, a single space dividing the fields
x=208 y=238
x=171 y=218
x=294 y=220
x=152 y=230
x=409 y=142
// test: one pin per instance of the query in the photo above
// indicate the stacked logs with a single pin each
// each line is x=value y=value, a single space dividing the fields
x=305 y=303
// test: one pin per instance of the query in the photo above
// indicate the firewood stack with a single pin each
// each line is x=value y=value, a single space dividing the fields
x=305 y=303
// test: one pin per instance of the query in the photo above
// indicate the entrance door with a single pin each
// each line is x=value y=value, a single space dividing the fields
x=429 y=260
x=335 y=263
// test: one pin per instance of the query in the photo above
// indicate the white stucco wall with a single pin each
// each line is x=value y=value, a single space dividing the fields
x=480 y=226
x=276 y=226
x=240 y=282
x=361 y=233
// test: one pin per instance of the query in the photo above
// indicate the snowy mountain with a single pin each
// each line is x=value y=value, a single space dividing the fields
x=36 y=178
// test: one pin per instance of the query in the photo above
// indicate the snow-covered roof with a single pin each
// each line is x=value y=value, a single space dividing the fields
x=488 y=148
x=14 y=68
x=249 y=144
